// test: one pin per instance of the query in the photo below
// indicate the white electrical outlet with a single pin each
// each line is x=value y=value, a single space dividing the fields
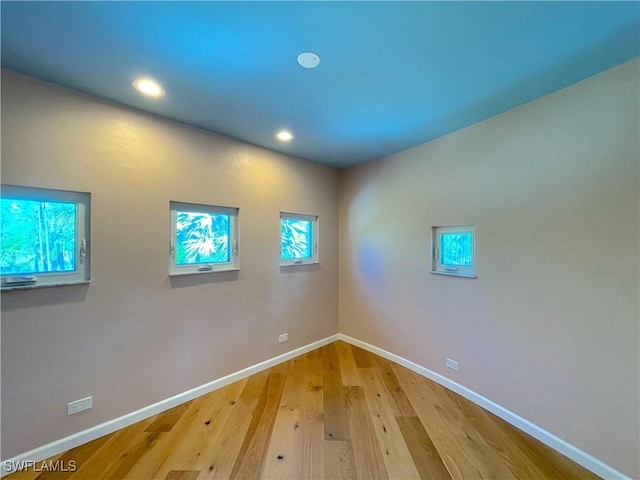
x=79 y=405
x=283 y=338
x=452 y=364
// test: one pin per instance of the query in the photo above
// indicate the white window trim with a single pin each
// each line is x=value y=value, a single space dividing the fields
x=294 y=262
x=82 y=273
x=204 y=268
x=440 y=269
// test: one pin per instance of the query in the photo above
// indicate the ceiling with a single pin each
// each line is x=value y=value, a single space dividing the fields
x=392 y=74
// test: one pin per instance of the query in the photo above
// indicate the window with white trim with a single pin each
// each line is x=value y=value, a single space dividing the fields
x=298 y=239
x=45 y=237
x=453 y=250
x=204 y=239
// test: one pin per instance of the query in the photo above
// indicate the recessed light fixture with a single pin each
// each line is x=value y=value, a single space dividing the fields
x=148 y=87
x=308 y=60
x=284 y=136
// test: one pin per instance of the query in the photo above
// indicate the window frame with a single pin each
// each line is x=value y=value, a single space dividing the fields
x=82 y=273
x=313 y=259
x=176 y=270
x=437 y=267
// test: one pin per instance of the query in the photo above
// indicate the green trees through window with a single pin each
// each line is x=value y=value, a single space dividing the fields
x=453 y=250
x=37 y=236
x=297 y=238
x=202 y=238
x=457 y=249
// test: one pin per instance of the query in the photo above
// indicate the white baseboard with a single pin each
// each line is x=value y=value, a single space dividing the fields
x=72 y=441
x=579 y=456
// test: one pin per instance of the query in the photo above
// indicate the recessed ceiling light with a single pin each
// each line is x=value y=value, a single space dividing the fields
x=284 y=136
x=308 y=60
x=148 y=87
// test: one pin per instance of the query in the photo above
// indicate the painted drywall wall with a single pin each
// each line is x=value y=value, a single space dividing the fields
x=134 y=336
x=549 y=329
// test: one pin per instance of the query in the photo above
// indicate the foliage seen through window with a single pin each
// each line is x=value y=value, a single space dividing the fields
x=202 y=238
x=297 y=238
x=37 y=236
x=456 y=249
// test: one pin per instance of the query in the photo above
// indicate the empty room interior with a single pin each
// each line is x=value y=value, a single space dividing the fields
x=356 y=240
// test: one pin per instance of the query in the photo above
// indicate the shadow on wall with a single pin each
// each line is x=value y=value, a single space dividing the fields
x=315 y=267
x=43 y=297
x=203 y=279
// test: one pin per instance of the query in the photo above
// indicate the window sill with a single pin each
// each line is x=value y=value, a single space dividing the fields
x=206 y=272
x=48 y=285
x=453 y=274
x=301 y=264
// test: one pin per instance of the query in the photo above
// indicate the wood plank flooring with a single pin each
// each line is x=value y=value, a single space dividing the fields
x=338 y=412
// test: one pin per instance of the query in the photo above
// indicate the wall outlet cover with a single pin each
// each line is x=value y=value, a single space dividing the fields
x=79 y=405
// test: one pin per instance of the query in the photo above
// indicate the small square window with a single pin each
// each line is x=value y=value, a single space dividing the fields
x=45 y=237
x=453 y=250
x=203 y=239
x=298 y=239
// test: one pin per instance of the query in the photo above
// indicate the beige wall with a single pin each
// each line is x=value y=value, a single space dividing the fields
x=134 y=337
x=549 y=329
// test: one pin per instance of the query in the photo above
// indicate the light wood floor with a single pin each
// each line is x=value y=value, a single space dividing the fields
x=337 y=412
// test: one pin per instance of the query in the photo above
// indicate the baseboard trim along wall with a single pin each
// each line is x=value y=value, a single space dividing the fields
x=72 y=441
x=583 y=458
x=579 y=456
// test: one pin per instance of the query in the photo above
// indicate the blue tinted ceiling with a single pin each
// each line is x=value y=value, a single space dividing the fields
x=392 y=74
